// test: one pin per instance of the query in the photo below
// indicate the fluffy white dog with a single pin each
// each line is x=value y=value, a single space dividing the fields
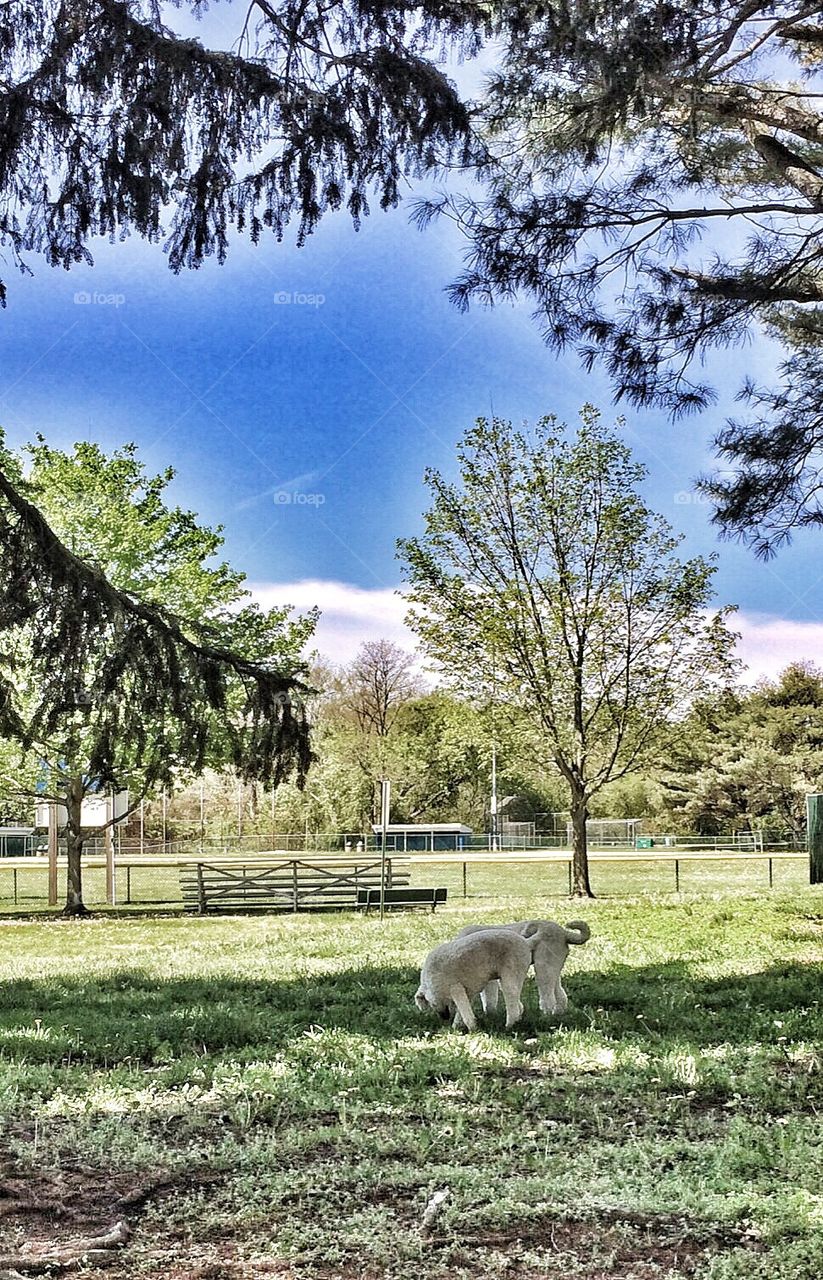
x=455 y=972
x=551 y=949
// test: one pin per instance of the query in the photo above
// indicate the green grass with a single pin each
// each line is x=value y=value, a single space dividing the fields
x=260 y=1096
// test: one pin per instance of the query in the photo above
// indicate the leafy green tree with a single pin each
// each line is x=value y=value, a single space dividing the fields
x=748 y=759
x=543 y=580
x=437 y=755
x=372 y=692
x=163 y=680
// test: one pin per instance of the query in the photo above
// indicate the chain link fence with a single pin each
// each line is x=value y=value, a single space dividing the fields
x=146 y=875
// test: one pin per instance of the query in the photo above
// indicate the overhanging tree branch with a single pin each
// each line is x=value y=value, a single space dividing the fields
x=142 y=655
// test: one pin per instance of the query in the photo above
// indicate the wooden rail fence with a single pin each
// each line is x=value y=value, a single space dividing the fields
x=294 y=884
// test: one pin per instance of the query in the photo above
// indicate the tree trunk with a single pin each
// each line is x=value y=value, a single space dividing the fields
x=74 y=850
x=581 y=886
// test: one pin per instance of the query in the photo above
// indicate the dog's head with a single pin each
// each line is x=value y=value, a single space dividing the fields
x=425 y=1006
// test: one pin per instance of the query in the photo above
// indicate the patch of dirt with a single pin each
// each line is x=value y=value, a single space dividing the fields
x=616 y=1243
x=82 y=1219
x=219 y=1263
x=516 y=1074
x=52 y=1221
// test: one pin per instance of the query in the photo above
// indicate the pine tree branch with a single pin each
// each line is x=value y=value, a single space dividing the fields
x=792 y=168
x=740 y=102
x=807 y=33
x=746 y=289
x=149 y=668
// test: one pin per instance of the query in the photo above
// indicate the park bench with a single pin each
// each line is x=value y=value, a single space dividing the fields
x=288 y=884
x=400 y=896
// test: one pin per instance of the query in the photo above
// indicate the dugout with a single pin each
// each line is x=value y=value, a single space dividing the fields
x=17 y=842
x=423 y=837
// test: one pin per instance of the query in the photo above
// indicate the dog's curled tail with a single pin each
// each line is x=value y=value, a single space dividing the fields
x=577 y=932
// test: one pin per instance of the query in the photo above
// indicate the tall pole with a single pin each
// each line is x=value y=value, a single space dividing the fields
x=493 y=804
x=814 y=826
x=385 y=807
x=53 y=811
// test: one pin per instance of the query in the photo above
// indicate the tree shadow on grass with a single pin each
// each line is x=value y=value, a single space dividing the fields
x=131 y=1015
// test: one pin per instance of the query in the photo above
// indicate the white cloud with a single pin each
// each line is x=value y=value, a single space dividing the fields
x=295 y=484
x=352 y=614
x=768 y=644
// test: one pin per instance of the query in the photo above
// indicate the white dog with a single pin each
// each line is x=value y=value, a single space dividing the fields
x=455 y=972
x=550 y=952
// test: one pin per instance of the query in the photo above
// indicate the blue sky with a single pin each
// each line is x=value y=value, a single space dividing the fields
x=331 y=376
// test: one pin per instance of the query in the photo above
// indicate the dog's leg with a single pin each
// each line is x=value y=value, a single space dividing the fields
x=465 y=1013
x=545 y=988
x=546 y=975
x=489 y=995
x=561 y=1000
x=548 y=962
x=511 y=984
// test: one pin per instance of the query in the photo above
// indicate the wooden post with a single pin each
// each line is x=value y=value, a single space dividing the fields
x=52 y=855
x=677 y=875
x=294 y=885
x=385 y=809
x=201 y=890
x=465 y=891
x=771 y=874
x=569 y=869
x=108 y=846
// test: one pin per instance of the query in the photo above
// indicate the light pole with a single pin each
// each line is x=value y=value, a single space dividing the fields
x=493 y=805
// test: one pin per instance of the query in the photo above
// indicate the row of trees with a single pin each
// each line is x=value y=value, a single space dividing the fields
x=547 y=593
x=551 y=600
x=742 y=759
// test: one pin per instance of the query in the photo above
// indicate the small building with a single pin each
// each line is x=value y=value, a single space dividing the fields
x=423 y=837
x=17 y=842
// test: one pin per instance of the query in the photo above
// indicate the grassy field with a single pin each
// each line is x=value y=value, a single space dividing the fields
x=255 y=1097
